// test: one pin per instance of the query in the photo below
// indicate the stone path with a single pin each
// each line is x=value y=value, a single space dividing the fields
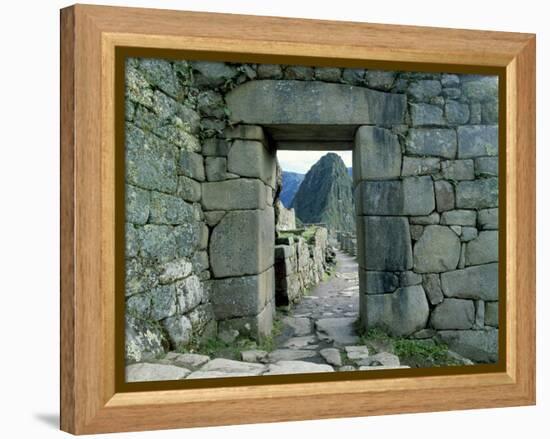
x=318 y=335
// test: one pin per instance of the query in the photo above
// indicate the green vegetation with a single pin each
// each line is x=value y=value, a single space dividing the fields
x=216 y=347
x=411 y=352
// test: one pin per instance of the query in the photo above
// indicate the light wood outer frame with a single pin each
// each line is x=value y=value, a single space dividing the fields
x=90 y=34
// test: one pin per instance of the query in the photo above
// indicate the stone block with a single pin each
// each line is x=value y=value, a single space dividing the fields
x=468 y=233
x=174 y=270
x=150 y=161
x=444 y=195
x=424 y=90
x=453 y=314
x=401 y=313
x=144 y=340
x=416 y=232
x=450 y=80
x=305 y=103
x=257 y=327
x=377 y=154
x=137 y=205
x=144 y=372
x=413 y=166
x=378 y=282
x=491 y=314
x=439 y=142
x=250 y=158
x=437 y=250
x=163 y=301
x=215 y=147
x=159 y=73
x=387 y=244
x=188 y=189
x=302 y=73
x=408 y=278
x=457 y=113
x=459 y=218
x=216 y=169
x=483 y=249
x=179 y=331
x=354 y=76
x=242 y=296
x=426 y=114
x=477 y=194
x=410 y=196
x=432 y=287
x=246 y=132
x=486 y=166
x=190 y=293
x=380 y=79
x=213 y=73
x=169 y=209
x=489 y=112
x=458 y=169
x=433 y=218
x=237 y=194
x=480 y=88
x=476 y=345
x=477 y=282
x=242 y=243
x=477 y=141
x=270 y=71
x=488 y=219
x=328 y=74
x=191 y=165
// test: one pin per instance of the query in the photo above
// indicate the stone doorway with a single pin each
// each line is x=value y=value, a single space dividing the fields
x=272 y=115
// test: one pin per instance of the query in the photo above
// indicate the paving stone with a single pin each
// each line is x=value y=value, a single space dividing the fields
x=293 y=367
x=300 y=325
x=290 y=354
x=231 y=366
x=355 y=353
x=254 y=356
x=340 y=329
x=141 y=372
x=332 y=356
x=380 y=359
x=303 y=342
x=187 y=360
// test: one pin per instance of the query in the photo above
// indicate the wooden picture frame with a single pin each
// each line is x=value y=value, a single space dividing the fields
x=91 y=399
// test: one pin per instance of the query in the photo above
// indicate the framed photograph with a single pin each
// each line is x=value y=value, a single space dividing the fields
x=268 y=219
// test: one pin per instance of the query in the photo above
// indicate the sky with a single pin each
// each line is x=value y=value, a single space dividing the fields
x=301 y=161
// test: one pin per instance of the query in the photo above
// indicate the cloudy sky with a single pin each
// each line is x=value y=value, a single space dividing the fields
x=301 y=161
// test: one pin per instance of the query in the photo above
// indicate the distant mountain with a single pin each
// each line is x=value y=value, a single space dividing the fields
x=350 y=173
x=325 y=195
x=291 y=183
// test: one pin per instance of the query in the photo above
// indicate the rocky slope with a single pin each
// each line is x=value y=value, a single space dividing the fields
x=291 y=184
x=325 y=195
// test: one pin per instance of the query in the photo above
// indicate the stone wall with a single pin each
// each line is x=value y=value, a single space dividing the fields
x=201 y=182
x=301 y=259
x=428 y=215
x=285 y=217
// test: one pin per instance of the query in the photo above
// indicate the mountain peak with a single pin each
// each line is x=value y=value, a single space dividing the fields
x=325 y=195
